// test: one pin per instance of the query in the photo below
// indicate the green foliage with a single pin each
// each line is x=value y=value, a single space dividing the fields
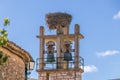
x=3 y=58
x=3 y=37
x=1 y=55
x=6 y=21
x=4 y=41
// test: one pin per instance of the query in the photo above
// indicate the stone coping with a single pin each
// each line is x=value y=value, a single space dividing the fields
x=56 y=70
x=17 y=50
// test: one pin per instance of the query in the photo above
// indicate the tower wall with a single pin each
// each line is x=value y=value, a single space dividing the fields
x=60 y=75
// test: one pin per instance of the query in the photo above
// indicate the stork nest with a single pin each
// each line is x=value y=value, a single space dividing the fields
x=56 y=20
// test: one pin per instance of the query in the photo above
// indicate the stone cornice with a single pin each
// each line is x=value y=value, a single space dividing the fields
x=17 y=50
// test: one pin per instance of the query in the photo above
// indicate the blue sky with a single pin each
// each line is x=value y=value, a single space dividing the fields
x=99 y=21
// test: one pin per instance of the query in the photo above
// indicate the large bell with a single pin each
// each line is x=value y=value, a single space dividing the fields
x=50 y=57
x=67 y=56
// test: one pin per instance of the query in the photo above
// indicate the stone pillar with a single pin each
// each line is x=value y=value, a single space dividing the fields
x=59 y=47
x=65 y=32
x=58 y=52
x=76 y=56
x=41 y=48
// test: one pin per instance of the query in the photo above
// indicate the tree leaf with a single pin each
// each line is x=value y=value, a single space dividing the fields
x=6 y=21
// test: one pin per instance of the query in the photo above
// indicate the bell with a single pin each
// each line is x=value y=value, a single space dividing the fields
x=67 y=56
x=50 y=57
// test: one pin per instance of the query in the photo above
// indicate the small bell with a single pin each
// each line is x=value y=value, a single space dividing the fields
x=50 y=57
x=67 y=56
x=50 y=51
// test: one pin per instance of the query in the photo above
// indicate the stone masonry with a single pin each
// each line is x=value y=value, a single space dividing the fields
x=60 y=75
x=14 y=69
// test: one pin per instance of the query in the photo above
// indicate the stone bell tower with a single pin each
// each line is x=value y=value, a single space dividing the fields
x=59 y=54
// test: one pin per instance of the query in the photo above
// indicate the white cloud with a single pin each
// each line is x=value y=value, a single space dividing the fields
x=90 y=68
x=117 y=16
x=108 y=53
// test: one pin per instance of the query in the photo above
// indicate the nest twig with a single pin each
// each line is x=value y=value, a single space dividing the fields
x=56 y=20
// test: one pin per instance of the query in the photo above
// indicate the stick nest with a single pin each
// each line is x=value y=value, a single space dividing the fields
x=56 y=20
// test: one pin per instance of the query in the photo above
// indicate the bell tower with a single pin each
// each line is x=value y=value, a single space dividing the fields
x=59 y=54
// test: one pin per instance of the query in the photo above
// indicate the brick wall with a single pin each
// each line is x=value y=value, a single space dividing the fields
x=60 y=75
x=14 y=69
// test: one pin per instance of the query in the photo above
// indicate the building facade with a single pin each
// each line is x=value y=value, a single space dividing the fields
x=16 y=68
